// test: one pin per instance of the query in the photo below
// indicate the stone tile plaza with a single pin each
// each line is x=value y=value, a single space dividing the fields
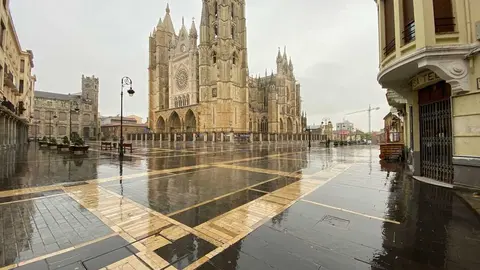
x=227 y=172
x=177 y=205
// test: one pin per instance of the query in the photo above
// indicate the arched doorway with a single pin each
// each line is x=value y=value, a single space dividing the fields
x=161 y=125
x=289 y=125
x=190 y=124
x=264 y=125
x=281 y=125
x=175 y=123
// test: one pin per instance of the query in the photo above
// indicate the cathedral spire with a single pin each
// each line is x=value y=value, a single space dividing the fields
x=290 y=64
x=193 y=30
x=159 y=22
x=285 y=53
x=279 y=55
x=167 y=21
x=204 y=20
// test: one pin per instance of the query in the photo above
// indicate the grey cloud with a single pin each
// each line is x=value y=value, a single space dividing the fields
x=333 y=45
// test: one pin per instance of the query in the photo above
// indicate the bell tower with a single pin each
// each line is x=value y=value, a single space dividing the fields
x=223 y=66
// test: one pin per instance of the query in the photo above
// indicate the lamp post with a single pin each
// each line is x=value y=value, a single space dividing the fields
x=50 y=128
x=307 y=129
x=76 y=110
x=126 y=81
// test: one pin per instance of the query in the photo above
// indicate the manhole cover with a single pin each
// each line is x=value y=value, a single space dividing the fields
x=335 y=221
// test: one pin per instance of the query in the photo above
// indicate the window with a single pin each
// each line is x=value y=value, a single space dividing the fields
x=408 y=22
x=443 y=12
x=215 y=30
x=389 y=28
x=22 y=66
x=62 y=130
x=36 y=114
x=214 y=92
x=74 y=117
x=216 y=9
x=20 y=86
x=62 y=116
x=234 y=59
x=214 y=57
x=2 y=33
x=233 y=32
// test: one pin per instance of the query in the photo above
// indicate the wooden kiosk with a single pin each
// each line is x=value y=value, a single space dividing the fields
x=392 y=147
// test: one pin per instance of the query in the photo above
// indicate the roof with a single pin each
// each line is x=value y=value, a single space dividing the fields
x=125 y=125
x=51 y=95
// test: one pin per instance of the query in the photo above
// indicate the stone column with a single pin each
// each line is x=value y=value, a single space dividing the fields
x=9 y=132
x=184 y=137
x=221 y=137
x=174 y=137
x=214 y=135
x=205 y=137
x=2 y=131
x=194 y=137
x=161 y=137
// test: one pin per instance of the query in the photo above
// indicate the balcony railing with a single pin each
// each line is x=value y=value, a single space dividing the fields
x=444 y=25
x=409 y=32
x=390 y=48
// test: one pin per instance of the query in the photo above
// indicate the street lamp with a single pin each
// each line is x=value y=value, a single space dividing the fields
x=50 y=128
x=75 y=110
x=126 y=81
x=309 y=137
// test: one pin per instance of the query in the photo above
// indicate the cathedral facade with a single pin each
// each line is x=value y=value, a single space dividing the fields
x=199 y=80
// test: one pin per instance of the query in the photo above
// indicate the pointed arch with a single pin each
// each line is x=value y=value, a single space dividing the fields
x=214 y=57
x=190 y=121
x=234 y=58
x=161 y=124
x=281 y=125
x=174 y=122
x=289 y=125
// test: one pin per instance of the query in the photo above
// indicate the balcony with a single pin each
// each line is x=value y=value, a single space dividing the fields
x=408 y=33
x=444 y=25
x=390 y=48
x=9 y=82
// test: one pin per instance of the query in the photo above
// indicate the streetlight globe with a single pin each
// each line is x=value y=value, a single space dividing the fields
x=130 y=92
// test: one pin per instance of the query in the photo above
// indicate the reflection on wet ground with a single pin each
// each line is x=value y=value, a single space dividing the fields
x=228 y=206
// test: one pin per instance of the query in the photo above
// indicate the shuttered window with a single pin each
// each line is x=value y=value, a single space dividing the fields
x=408 y=21
x=389 y=28
x=444 y=20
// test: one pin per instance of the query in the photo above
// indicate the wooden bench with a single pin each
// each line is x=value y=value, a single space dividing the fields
x=128 y=145
x=107 y=145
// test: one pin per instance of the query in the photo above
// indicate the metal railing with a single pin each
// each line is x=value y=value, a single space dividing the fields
x=445 y=25
x=389 y=48
x=409 y=32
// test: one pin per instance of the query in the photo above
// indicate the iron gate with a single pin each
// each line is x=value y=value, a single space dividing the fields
x=436 y=133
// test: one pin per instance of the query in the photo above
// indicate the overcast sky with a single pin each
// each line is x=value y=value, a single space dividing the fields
x=333 y=45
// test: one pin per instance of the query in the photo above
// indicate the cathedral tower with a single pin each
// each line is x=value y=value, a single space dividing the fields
x=160 y=41
x=223 y=67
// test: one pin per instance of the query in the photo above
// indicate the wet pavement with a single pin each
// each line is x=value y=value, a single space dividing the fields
x=228 y=206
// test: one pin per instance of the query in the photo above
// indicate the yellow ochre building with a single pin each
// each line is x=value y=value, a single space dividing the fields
x=430 y=66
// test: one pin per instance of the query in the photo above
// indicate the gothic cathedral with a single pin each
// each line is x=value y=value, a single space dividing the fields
x=202 y=84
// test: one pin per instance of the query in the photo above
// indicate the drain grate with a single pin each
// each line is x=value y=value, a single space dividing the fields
x=335 y=221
